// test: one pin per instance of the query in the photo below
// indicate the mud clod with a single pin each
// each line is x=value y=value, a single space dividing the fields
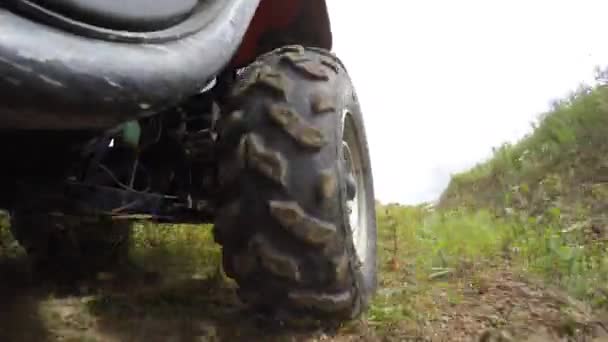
x=296 y=127
x=328 y=184
x=322 y=104
x=275 y=262
x=322 y=302
x=269 y=163
x=293 y=218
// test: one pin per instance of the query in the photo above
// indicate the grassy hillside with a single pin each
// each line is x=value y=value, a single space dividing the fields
x=553 y=187
x=562 y=164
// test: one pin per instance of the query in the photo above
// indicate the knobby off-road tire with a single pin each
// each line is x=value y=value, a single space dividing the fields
x=69 y=246
x=287 y=190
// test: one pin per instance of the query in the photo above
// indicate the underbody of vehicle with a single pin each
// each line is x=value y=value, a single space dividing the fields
x=232 y=112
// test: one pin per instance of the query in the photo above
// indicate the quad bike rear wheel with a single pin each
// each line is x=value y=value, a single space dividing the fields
x=297 y=219
x=69 y=247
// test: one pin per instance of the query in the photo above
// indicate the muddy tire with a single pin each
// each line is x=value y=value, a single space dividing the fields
x=68 y=246
x=296 y=219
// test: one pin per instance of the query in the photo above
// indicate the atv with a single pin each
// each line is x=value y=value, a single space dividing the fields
x=231 y=112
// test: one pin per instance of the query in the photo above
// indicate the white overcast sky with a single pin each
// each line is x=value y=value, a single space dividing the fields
x=442 y=81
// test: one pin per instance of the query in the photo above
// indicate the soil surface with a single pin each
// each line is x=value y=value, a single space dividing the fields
x=142 y=306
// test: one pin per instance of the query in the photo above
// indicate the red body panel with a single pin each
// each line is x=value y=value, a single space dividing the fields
x=285 y=16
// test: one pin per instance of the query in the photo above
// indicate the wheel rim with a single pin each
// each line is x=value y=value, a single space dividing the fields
x=356 y=201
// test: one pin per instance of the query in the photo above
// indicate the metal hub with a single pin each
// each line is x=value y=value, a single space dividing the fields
x=355 y=187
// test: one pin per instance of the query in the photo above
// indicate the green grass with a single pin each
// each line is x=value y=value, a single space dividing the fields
x=567 y=258
x=187 y=249
x=431 y=260
x=424 y=255
x=9 y=248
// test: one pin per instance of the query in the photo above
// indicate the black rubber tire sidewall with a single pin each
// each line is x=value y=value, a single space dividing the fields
x=246 y=196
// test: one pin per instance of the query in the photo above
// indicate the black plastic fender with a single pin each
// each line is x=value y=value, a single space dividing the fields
x=53 y=79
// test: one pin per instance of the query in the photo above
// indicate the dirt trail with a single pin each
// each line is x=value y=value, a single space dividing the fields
x=505 y=307
x=500 y=307
x=136 y=306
